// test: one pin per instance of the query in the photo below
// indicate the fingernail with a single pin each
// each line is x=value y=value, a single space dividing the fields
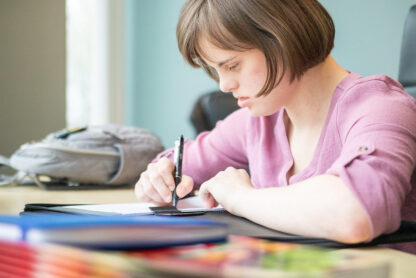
x=168 y=198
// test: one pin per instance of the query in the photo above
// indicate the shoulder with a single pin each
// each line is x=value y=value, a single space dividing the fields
x=375 y=100
x=377 y=88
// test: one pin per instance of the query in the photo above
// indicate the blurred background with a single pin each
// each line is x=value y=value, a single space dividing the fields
x=81 y=62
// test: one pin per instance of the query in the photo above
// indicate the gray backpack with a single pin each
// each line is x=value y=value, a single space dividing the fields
x=97 y=155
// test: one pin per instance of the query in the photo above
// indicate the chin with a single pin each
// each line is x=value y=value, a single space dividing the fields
x=256 y=113
x=260 y=113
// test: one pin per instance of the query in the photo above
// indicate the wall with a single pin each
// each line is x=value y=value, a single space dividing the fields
x=369 y=34
x=161 y=88
x=32 y=70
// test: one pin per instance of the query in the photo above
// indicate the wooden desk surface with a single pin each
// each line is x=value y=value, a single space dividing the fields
x=13 y=200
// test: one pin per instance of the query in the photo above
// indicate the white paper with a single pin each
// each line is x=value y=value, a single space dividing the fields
x=185 y=205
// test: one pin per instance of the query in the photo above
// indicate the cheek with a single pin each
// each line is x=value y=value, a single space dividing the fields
x=258 y=78
x=250 y=85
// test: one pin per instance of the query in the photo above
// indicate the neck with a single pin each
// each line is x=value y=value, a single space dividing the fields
x=310 y=104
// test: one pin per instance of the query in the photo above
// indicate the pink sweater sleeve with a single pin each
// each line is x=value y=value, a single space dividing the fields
x=215 y=150
x=379 y=150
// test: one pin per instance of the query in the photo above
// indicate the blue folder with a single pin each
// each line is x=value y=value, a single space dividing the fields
x=241 y=226
x=111 y=232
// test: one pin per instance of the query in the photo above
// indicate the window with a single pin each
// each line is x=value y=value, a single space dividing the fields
x=95 y=62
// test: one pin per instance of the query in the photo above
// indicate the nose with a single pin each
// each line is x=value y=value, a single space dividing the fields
x=228 y=84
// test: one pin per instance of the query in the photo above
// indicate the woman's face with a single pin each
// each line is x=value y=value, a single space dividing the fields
x=244 y=74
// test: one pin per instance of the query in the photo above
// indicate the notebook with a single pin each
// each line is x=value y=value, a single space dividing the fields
x=111 y=232
x=192 y=205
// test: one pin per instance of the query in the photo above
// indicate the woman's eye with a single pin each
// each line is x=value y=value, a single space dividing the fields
x=233 y=67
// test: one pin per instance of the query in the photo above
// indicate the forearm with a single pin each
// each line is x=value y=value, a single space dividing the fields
x=321 y=206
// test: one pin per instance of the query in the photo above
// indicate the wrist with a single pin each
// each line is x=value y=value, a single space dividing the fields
x=240 y=202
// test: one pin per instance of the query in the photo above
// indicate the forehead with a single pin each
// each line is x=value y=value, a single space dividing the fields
x=213 y=54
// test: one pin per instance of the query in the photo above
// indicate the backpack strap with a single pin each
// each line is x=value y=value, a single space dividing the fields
x=10 y=180
x=4 y=161
x=19 y=177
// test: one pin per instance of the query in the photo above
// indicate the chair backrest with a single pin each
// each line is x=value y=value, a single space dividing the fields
x=210 y=108
x=407 y=69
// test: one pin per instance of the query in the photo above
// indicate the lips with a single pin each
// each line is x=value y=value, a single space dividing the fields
x=243 y=101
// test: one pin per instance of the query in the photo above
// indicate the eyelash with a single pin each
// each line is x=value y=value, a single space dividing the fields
x=233 y=67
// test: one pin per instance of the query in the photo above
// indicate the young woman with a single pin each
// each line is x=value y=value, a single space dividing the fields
x=331 y=153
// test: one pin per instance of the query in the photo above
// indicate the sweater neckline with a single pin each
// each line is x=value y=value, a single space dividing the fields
x=339 y=89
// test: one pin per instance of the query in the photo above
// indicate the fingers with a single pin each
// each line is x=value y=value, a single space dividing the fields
x=157 y=183
x=185 y=186
x=165 y=168
x=206 y=196
x=145 y=190
x=138 y=191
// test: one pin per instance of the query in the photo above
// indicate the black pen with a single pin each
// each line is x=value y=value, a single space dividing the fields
x=177 y=174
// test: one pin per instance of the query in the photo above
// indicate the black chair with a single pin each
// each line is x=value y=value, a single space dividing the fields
x=407 y=69
x=210 y=108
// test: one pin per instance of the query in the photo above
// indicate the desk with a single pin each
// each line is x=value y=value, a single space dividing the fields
x=13 y=199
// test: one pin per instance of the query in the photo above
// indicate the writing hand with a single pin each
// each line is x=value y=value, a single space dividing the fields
x=156 y=183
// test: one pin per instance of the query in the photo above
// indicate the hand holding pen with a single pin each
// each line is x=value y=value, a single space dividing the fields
x=158 y=185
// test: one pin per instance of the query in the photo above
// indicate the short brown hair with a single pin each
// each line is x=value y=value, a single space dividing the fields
x=298 y=34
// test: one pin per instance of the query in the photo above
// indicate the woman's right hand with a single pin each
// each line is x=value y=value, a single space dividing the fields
x=156 y=184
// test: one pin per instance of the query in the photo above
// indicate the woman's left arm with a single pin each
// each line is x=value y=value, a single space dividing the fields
x=363 y=192
x=321 y=206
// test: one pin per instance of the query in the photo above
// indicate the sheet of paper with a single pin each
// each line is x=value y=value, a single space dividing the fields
x=188 y=204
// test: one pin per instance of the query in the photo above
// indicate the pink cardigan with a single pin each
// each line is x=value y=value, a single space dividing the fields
x=369 y=140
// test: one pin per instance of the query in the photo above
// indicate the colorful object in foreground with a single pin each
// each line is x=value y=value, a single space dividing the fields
x=241 y=257
x=251 y=257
